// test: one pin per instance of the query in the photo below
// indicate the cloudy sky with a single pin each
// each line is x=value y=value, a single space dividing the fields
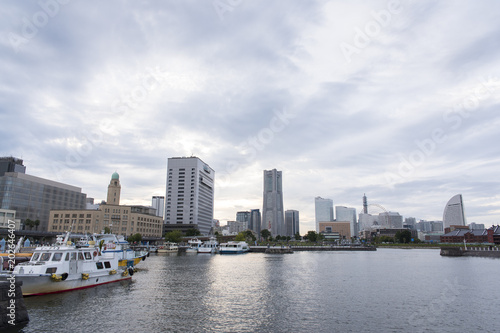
x=395 y=99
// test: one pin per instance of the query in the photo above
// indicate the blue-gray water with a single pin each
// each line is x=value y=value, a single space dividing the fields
x=390 y=290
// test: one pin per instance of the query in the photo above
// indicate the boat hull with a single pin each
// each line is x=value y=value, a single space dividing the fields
x=36 y=285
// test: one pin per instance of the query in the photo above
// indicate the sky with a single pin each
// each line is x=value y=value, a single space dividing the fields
x=395 y=99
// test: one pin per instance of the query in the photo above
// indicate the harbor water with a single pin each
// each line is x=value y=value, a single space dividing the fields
x=389 y=290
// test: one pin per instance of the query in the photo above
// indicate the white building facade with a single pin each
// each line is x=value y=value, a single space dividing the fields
x=323 y=209
x=189 y=198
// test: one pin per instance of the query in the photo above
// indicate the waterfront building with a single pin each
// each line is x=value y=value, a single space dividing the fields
x=390 y=220
x=494 y=234
x=255 y=221
x=343 y=228
x=158 y=203
x=7 y=215
x=123 y=220
x=454 y=212
x=323 y=210
x=272 y=208
x=33 y=197
x=475 y=226
x=347 y=214
x=189 y=200
x=291 y=222
x=469 y=236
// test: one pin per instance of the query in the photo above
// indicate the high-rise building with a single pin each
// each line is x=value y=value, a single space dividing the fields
x=243 y=216
x=454 y=212
x=255 y=221
x=272 y=208
x=347 y=214
x=323 y=209
x=190 y=194
x=390 y=220
x=11 y=164
x=158 y=202
x=291 y=222
x=33 y=197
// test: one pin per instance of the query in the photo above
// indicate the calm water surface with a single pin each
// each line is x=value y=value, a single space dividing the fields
x=389 y=290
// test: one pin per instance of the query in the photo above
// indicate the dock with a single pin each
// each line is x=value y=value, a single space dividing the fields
x=488 y=252
x=291 y=249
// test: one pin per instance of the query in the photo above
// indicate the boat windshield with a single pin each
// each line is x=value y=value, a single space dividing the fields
x=35 y=256
x=57 y=256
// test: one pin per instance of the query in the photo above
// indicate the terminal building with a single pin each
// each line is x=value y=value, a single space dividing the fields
x=34 y=197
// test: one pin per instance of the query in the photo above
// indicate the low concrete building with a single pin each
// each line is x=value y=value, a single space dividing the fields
x=343 y=228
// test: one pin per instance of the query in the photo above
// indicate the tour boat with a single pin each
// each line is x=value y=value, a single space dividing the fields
x=168 y=247
x=65 y=266
x=211 y=246
x=233 y=247
x=194 y=244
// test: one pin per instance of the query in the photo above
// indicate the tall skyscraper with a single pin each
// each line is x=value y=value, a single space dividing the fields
x=255 y=221
x=454 y=212
x=190 y=194
x=323 y=209
x=272 y=208
x=158 y=202
x=347 y=214
x=291 y=222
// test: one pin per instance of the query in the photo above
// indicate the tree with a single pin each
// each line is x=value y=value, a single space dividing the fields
x=174 y=236
x=297 y=236
x=29 y=223
x=403 y=236
x=193 y=232
x=107 y=230
x=37 y=223
x=265 y=233
x=278 y=237
x=240 y=237
x=312 y=236
x=134 y=238
x=249 y=236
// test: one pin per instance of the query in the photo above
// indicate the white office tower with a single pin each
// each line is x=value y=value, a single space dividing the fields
x=158 y=203
x=190 y=193
x=323 y=209
x=390 y=220
x=272 y=208
x=454 y=212
x=347 y=214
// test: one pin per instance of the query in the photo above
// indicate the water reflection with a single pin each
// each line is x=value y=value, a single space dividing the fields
x=383 y=291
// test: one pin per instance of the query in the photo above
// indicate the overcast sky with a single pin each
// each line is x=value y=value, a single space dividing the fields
x=395 y=99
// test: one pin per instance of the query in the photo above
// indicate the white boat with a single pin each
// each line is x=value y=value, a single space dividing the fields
x=111 y=243
x=168 y=247
x=194 y=244
x=233 y=247
x=65 y=266
x=211 y=246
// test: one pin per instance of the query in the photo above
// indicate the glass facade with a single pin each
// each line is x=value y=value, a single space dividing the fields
x=33 y=200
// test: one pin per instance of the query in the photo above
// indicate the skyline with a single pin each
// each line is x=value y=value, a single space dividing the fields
x=393 y=99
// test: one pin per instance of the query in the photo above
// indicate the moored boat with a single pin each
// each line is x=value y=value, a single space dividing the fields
x=168 y=247
x=111 y=243
x=211 y=246
x=233 y=247
x=194 y=244
x=65 y=266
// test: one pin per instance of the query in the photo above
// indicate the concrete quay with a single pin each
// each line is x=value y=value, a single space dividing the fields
x=291 y=249
x=487 y=252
